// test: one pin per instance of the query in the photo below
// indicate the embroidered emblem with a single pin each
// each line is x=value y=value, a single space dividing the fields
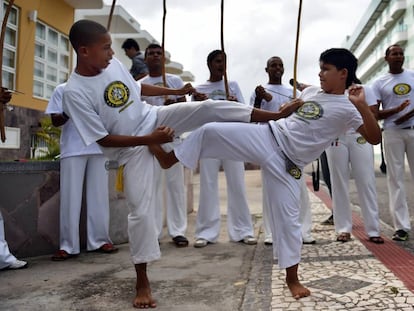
x=116 y=94
x=401 y=89
x=361 y=140
x=310 y=110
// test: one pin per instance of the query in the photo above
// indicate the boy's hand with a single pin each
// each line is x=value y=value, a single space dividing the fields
x=186 y=89
x=232 y=98
x=288 y=108
x=5 y=95
x=162 y=134
x=356 y=95
x=262 y=94
x=199 y=96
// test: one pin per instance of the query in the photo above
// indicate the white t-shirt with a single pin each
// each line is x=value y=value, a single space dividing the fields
x=216 y=90
x=280 y=94
x=323 y=117
x=108 y=103
x=173 y=82
x=71 y=143
x=392 y=90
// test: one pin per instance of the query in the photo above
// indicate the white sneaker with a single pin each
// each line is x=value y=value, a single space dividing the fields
x=268 y=241
x=18 y=264
x=199 y=243
x=308 y=240
x=249 y=240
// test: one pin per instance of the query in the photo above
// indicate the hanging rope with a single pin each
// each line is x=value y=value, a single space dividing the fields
x=2 y=35
x=111 y=13
x=226 y=84
x=295 y=63
x=164 y=79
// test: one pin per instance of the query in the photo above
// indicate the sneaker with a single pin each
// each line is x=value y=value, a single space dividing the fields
x=329 y=221
x=199 y=243
x=268 y=241
x=249 y=240
x=308 y=240
x=400 y=235
x=18 y=264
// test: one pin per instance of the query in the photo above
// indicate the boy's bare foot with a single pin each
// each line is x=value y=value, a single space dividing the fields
x=297 y=289
x=143 y=298
x=165 y=159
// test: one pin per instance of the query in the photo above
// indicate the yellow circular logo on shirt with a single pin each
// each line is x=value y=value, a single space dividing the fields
x=310 y=110
x=361 y=140
x=116 y=94
x=402 y=89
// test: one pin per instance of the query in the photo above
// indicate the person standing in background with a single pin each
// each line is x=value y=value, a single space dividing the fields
x=394 y=90
x=139 y=68
x=271 y=97
x=79 y=162
x=239 y=222
x=175 y=204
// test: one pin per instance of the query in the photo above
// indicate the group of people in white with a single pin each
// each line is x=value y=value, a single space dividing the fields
x=85 y=130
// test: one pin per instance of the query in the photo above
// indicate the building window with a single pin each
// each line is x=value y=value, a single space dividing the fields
x=10 y=48
x=51 y=63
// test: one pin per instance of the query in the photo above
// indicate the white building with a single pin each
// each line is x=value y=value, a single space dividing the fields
x=124 y=26
x=384 y=23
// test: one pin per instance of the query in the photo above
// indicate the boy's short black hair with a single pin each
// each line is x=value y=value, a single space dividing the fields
x=388 y=50
x=152 y=46
x=85 y=32
x=212 y=55
x=130 y=43
x=342 y=59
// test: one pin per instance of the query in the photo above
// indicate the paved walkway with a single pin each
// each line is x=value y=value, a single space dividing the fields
x=225 y=276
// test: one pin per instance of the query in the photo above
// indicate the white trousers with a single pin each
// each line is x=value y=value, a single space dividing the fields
x=305 y=216
x=73 y=171
x=170 y=183
x=239 y=221
x=397 y=143
x=6 y=258
x=140 y=169
x=239 y=142
x=352 y=152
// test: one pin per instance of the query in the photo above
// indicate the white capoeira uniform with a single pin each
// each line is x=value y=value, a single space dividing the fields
x=351 y=149
x=392 y=90
x=6 y=258
x=239 y=220
x=79 y=162
x=110 y=103
x=172 y=179
x=280 y=95
x=301 y=138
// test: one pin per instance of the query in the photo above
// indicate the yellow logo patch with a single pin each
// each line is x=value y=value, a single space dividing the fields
x=310 y=110
x=116 y=94
x=402 y=89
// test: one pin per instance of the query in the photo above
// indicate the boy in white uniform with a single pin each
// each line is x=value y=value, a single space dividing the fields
x=351 y=149
x=271 y=97
x=285 y=146
x=79 y=162
x=172 y=180
x=104 y=102
x=395 y=91
x=239 y=220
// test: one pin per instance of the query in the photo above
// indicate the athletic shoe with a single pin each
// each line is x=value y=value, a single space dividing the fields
x=199 y=243
x=249 y=240
x=268 y=241
x=308 y=240
x=400 y=235
x=18 y=264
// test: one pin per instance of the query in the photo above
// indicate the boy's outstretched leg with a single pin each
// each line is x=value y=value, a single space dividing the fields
x=166 y=159
x=296 y=288
x=143 y=298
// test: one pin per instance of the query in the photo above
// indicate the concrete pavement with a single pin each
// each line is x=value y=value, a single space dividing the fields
x=357 y=275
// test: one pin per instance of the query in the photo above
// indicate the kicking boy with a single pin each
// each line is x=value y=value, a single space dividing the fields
x=104 y=102
x=285 y=147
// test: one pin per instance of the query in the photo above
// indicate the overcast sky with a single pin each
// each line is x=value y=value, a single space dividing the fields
x=254 y=30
